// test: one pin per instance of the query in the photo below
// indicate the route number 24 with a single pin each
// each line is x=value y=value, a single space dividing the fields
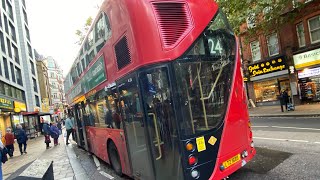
x=215 y=46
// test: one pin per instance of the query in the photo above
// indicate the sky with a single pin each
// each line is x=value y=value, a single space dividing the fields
x=53 y=23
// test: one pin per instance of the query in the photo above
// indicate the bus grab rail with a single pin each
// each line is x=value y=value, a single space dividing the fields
x=157 y=134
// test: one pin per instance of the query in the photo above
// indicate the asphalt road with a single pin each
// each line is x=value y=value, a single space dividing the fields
x=287 y=149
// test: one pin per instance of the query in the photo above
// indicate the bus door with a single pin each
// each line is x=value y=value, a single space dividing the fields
x=80 y=125
x=133 y=121
x=160 y=123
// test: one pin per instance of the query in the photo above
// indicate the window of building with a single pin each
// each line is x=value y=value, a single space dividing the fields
x=13 y=32
x=19 y=94
x=0 y=21
x=52 y=74
x=24 y=3
x=37 y=100
x=27 y=32
x=30 y=50
x=9 y=48
x=273 y=45
x=314 y=27
x=13 y=77
x=19 y=76
x=79 y=68
x=35 y=87
x=0 y=69
x=6 y=68
x=3 y=46
x=6 y=23
x=4 y=4
x=25 y=16
x=7 y=90
x=10 y=11
x=13 y=91
x=83 y=62
x=15 y=54
x=2 y=88
x=32 y=68
x=251 y=21
x=300 y=34
x=255 y=50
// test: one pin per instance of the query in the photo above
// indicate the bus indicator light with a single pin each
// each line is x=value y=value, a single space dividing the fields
x=189 y=147
x=192 y=160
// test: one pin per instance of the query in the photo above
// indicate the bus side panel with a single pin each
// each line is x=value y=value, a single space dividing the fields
x=98 y=138
x=236 y=134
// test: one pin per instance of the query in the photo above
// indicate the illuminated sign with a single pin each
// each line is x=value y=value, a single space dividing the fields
x=306 y=59
x=21 y=106
x=6 y=104
x=266 y=67
x=309 y=72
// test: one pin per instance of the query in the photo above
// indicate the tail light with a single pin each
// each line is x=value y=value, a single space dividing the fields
x=192 y=160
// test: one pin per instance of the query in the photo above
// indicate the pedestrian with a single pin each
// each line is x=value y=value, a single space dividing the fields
x=2 y=154
x=54 y=133
x=9 y=141
x=59 y=125
x=21 y=139
x=47 y=133
x=284 y=99
x=69 y=127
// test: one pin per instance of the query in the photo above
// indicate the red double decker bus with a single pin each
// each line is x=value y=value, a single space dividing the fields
x=157 y=91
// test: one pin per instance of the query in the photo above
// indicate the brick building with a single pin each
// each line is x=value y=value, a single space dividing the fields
x=288 y=58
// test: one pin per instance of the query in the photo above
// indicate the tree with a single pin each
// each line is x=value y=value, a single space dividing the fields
x=267 y=14
x=81 y=33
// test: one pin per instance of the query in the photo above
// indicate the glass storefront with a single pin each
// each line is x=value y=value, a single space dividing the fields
x=310 y=88
x=266 y=90
x=269 y=90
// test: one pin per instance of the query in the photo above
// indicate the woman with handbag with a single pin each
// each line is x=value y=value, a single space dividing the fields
x=47 y=133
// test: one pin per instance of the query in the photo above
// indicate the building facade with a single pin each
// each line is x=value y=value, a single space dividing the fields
x=44 y=85
x=285 y=59
x=55 y=76
x=19 y=91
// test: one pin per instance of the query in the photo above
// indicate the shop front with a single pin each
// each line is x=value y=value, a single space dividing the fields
x=308 y=66
x=268 y=79
x=6 y=108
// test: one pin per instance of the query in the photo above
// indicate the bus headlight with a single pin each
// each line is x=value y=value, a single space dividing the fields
x=195 y=174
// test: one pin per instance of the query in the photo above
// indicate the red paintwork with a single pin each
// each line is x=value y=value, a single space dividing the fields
x=98 y=138
x=136 y=20
x=235 y=137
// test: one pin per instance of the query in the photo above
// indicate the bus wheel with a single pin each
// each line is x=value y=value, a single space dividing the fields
x=114 y=158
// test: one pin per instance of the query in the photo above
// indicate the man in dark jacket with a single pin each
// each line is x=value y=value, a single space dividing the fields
x=21 y=139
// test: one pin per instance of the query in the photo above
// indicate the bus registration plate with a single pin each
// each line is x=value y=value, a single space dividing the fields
x=231 y=161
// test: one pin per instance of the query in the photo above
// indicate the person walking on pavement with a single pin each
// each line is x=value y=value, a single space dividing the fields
x=59 y=125
x=284 y=99
x=47 y=133
x=2 y=149
x=69 y=127
x=21 y=139
x=54 y=133
x=9 y=141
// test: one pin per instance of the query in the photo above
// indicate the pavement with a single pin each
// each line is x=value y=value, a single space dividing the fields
x=305 y=110
x=66 y=166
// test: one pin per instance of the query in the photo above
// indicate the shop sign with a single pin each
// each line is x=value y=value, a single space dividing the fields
x=266 y=67
x=306 y=59
x=6 y=104
x=95 y=75
x=19 y=106
x=45 y=105
x=309 y=72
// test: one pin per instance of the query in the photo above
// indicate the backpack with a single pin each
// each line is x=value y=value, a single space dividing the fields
x=4 y=157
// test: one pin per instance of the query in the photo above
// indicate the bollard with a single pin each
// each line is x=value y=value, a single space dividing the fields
x=39 y=169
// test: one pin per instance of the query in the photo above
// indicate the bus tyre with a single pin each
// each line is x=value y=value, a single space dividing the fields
x=114 y=158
